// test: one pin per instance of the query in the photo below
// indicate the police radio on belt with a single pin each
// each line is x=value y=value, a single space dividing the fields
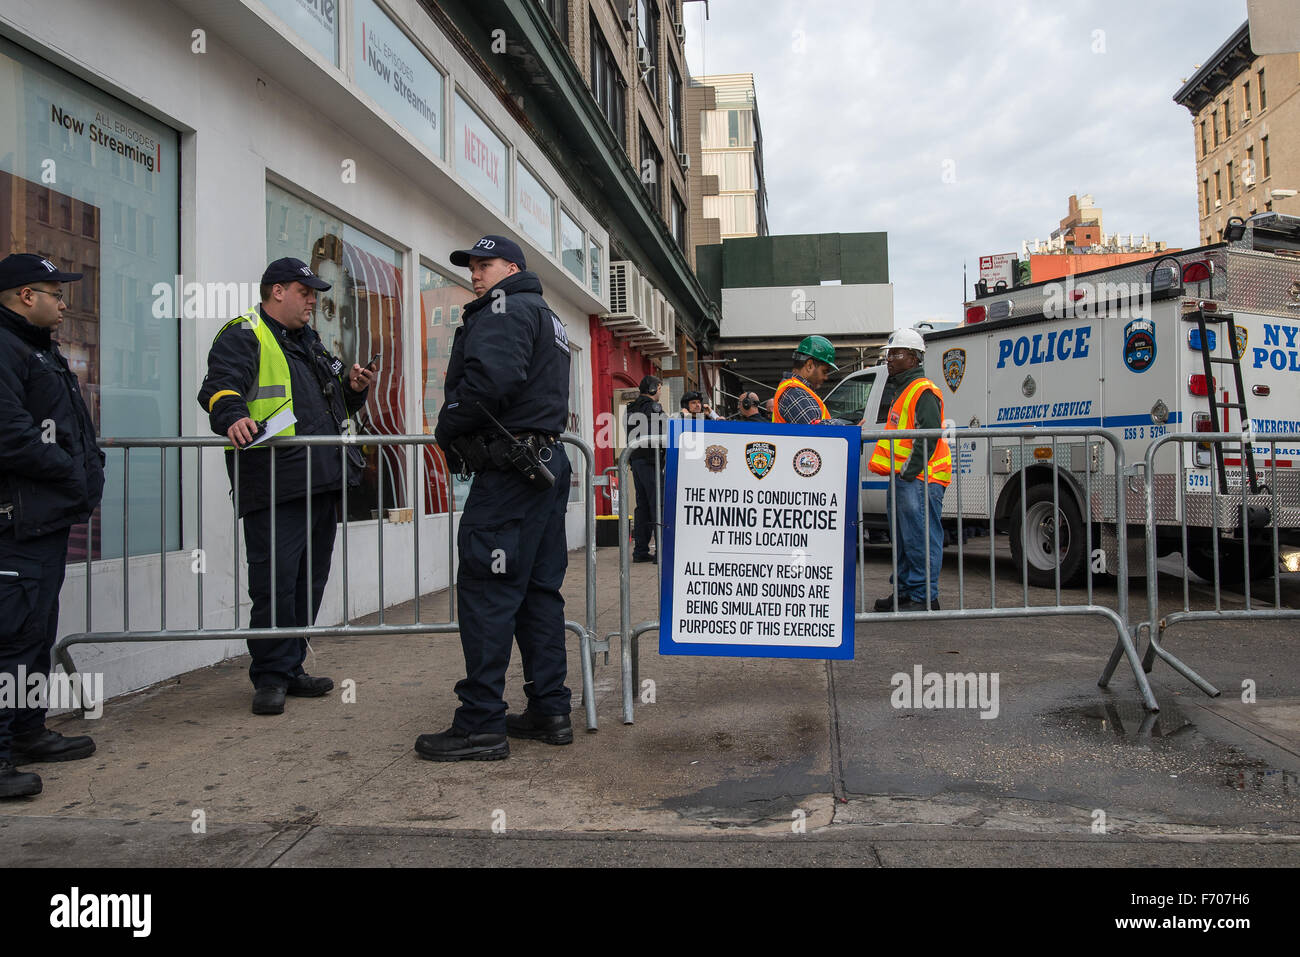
x=477 y=453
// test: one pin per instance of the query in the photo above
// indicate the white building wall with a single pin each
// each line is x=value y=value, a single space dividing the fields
x=807 y=310
x=287 y=116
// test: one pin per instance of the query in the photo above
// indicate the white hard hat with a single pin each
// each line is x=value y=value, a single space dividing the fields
x=906 y=339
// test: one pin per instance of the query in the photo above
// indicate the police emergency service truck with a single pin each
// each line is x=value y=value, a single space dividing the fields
x=1205 y=340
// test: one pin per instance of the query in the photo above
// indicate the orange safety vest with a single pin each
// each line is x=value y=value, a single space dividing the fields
x=902 y=415
x=793 y=383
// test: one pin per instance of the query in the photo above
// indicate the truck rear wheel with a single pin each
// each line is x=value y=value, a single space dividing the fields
x=1049 y=536
x=1232 y=563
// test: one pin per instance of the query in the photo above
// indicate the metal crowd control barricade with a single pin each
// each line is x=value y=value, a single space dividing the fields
x=199 y=632
x=1169 y=502
x=628 y=633
x=1101 y=501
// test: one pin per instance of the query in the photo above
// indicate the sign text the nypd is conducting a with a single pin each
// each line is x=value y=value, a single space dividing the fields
x=760 y=525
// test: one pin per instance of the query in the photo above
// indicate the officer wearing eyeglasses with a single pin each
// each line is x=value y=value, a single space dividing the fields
x=51 y=478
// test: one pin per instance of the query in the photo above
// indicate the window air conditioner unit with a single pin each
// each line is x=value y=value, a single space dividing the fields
x=1245 y=117
x=643 y=58
x=626 y=297
x=628 y=15
x=681 y=32
x=684 y=160
x=1218 y=204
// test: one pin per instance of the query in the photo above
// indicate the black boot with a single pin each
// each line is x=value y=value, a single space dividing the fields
x=551 y=728
x=15 y=783
x=38 y=747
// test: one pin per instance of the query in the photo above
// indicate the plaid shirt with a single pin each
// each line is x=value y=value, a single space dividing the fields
x=797 y=406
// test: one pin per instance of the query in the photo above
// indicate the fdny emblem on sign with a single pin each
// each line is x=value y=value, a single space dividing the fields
x=1140 y=344
x=715 y=458
x=1242 y=338
x=759 y=456
x=807 y=462
x=954 y=367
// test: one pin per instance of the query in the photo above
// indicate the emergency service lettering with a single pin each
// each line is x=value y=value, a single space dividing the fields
x=1286 y=358
x=1057 y=345
x=1044 y=410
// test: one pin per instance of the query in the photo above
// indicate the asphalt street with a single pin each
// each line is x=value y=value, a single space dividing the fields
x=730 y=761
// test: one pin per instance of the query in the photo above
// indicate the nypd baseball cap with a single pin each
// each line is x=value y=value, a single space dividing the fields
x=490 y=247
x=23 y=269
x=289 y=269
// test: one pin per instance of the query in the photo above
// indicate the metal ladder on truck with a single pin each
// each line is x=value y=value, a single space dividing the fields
x=1205 y=317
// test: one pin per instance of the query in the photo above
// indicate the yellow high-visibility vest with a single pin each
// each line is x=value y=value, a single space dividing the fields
x=793 y=383
x=902 y=415
x=274 y=389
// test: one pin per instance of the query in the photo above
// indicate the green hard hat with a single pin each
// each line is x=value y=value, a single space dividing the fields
x=819 y=348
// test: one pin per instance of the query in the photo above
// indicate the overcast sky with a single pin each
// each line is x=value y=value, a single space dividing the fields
x=865 y=104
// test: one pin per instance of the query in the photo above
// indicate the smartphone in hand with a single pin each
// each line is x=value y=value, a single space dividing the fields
x=373 y=364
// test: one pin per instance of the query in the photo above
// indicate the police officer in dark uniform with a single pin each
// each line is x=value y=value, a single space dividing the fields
x=262 y=364
x=509 y=363
x=51 y=477
x=645 y=416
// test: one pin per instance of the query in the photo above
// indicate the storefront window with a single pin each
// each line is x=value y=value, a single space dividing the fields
x=572 y=248
x=316 y=21
x=392 y=69
x=361 y=315
x=536 y=210
x=481 y=156
x=92 y=185
x=438 y=295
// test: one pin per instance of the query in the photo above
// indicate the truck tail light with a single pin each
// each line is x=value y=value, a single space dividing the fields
x=1194 y=339
x=975 y=314
x=1259 y=389
x=1198 y=271
x=1201 y=422
x=1196 y=385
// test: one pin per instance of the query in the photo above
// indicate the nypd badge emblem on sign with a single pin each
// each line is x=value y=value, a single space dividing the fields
x=715 y=458
x=954 y=367
x=1242 y=338
x=759 y=456
x=1140 y=344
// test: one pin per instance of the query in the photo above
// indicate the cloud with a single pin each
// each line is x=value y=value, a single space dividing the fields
x=865 y=105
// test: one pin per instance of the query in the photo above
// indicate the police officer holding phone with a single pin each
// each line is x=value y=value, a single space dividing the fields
x=506 y=403
x=268 y=365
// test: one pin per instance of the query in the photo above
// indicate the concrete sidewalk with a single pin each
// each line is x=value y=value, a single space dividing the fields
x=735 y=761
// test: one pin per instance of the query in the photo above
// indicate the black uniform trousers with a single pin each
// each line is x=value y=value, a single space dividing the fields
x=648 y=504
x=513 y=556
x=277 y=660
x=31 y=576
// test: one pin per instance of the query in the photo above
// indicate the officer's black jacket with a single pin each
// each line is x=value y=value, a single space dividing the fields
x=232 y=364
x=51 y=467
x=511 y=359
x=645 y=416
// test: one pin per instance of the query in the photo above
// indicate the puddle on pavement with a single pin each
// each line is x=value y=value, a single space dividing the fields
x=1127 y=721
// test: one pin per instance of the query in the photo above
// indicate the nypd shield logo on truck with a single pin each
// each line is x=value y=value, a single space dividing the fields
x=954 y=367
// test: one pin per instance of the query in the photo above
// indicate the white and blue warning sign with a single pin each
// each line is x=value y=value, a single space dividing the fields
x=757 y=551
